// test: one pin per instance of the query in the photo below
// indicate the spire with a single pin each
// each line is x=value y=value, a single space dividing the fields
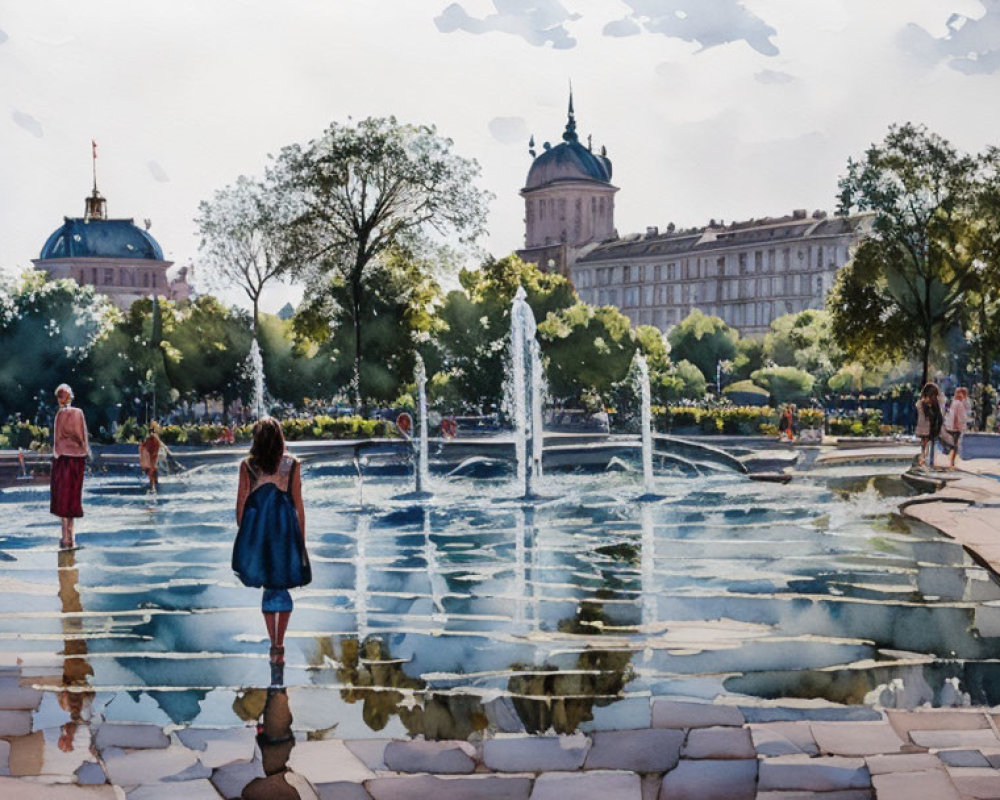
x=569 y=135
x=94 y=207
x=531 y=146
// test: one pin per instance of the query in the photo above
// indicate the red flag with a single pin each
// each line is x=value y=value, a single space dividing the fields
x=93 y=147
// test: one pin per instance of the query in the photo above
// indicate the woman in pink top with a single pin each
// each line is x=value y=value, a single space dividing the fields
x=70 y=450
x=956 y=419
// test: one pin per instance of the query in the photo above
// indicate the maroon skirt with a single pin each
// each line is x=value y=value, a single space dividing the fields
x=66 y=486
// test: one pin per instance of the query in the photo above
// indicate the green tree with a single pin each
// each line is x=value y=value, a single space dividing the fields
x=210 y=345
x=908 y=281
x=703 y=340
x=476 y=324
x=395 y=320
x=244 y=240
x=804 y=340
x=360 y=191
x=48 y=329
x=749 y=358
x=786 y=384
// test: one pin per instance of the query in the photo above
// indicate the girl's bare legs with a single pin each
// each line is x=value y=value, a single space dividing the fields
x=67 y=532
x=921 y=460
x=277 y=624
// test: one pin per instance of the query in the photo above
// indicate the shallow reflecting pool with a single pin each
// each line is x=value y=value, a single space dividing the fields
x=474 y=610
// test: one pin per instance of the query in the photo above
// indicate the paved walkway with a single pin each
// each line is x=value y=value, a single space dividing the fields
x=686 y=750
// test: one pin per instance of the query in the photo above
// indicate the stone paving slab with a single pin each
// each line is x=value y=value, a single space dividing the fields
x=216 y=748
x=825 y=774
x=732 y=779
x=905 y=721
x=784 y=739
x=15 y=723
x=902 y=762
x=14 y=697
x=130 y=736
x=370 y=751
x=430 y=787
x=231 y=779
x=679 y=714
x=981 y=783
x=649 y=750
x=719 y=743
x=132 y=769
x=342 y=791
x=952 y=740
x=929 y=785
x=588 y=786
x=847 y=794
x=327 y=761
x=859 y=739
x=537 y=754
x=963 y=758
x=15 y=789
x=438 y=757
x=810 y=714
x=189 y=790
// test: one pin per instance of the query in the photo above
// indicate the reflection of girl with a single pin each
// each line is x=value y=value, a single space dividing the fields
x=270 y=548
x=70 y=450
x=76 y=669
x=149 y=456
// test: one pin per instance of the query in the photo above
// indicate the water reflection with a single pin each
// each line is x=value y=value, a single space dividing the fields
x=270 y=710
x=478 y=611
x=75 y=697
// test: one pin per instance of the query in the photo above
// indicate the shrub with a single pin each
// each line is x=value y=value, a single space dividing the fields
x=786 y=384
x=23 y=434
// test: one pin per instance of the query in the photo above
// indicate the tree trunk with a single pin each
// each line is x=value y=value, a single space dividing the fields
x=925 y=358
x=256 y=302
x=984 y=366
x=360 y=401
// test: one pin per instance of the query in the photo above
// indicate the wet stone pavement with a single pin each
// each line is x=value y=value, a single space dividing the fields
x=689 y=751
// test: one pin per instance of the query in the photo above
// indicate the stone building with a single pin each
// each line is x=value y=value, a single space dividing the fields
x=115 y=256
x=747 y=273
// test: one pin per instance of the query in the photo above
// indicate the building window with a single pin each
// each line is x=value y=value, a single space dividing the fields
x=743 y=263
x=758 y=261
x=647 y=296
x=656 y=272
x=720 y=265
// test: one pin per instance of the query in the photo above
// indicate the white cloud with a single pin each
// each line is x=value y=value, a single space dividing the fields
x=770 y=76
x=28 y=123
x=971 y=45
x=538 y=23
x=509 y=130
x=708 y=22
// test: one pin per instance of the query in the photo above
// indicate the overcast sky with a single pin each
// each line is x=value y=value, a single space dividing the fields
x=708 y=108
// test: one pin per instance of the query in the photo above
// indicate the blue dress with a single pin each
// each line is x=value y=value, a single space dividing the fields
x=269 y=551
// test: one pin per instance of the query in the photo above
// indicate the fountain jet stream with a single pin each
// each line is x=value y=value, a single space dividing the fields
x=257 y=372
x=526 y=391
x=421 y=471
x=642 y=376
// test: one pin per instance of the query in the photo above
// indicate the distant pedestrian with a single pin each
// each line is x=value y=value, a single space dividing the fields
x=930 y=419
x=149 y=457
x=786 y=424
x=70 y=451
x=956 y=419
x=270 y=548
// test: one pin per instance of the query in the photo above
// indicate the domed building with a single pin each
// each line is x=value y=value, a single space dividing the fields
x=569 y=201
x=115 y=256
x=748 y=272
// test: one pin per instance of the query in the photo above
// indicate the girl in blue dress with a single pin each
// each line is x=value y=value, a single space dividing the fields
x=270 y=548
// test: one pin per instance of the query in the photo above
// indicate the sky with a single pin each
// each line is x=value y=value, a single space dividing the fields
x=709 y=109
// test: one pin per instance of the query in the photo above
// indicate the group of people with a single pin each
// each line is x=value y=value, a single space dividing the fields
x=941 y=423
x=270 y=547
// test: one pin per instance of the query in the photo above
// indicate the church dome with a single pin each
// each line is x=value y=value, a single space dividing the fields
x=101 y=238
x=568 y=161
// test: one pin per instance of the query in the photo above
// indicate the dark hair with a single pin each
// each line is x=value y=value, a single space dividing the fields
x=930 y=389
x=268 y=445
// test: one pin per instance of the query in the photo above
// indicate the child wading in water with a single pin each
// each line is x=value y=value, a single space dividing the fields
x=270 y=548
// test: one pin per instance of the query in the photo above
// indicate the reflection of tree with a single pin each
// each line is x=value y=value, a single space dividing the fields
x=384 y=688
x=76 y=669
x=546 y=697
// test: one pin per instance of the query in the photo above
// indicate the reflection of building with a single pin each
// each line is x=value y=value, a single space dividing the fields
x=115 y=256
x=748 y=273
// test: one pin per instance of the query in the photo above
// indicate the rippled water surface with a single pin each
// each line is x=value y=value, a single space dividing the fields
x=473 y=609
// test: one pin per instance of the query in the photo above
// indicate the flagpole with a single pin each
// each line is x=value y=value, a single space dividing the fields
x=93 y=153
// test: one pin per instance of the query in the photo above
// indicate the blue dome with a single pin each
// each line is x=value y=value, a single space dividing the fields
x=568 y=161
x=101 y=238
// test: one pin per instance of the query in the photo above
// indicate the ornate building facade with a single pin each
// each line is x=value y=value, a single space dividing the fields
x=747 y=273
x=115 y=256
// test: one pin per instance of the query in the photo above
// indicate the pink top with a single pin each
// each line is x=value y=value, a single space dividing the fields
x=958 y=416
x=69 y=436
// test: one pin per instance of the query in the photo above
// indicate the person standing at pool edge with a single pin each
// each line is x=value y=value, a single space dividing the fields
x=270 y=548
x=70 y=450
